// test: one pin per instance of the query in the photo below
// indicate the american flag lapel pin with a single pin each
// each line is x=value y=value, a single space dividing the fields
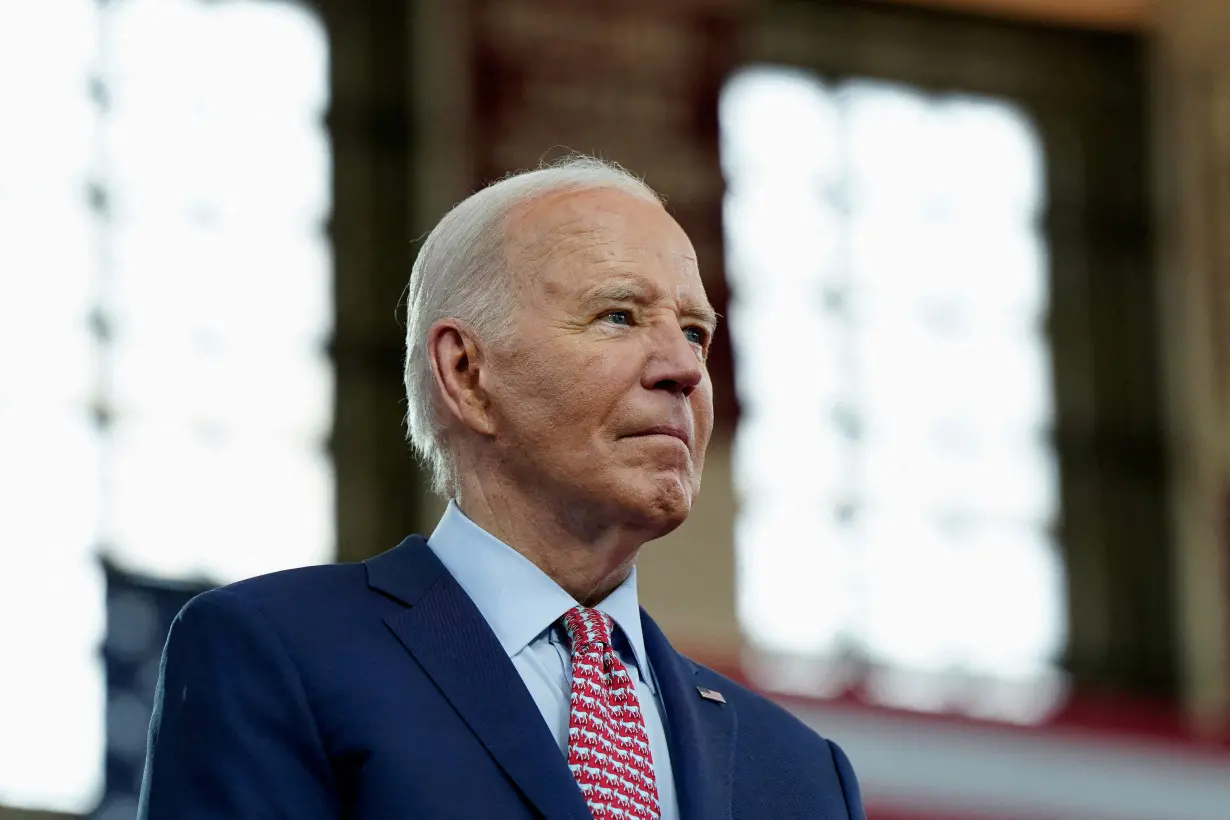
x=711 y=694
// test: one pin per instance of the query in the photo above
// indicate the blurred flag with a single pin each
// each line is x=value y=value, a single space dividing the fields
x=140 y=610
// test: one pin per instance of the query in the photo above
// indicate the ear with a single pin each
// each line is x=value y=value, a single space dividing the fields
x=457 y=365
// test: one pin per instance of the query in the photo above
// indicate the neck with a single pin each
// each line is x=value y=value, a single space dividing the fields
x=583 y=553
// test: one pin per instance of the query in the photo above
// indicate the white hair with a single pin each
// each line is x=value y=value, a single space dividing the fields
x=461 y=273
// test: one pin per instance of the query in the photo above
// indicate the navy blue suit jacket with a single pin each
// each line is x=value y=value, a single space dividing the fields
x=378 y=691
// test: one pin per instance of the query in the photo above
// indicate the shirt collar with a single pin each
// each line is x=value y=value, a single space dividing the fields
x=518 y=600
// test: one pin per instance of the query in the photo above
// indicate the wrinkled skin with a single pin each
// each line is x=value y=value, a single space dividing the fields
x=552 y=430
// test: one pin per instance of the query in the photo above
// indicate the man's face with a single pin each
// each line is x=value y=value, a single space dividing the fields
x=603 y=401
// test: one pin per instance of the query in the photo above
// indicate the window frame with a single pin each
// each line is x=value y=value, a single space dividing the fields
x=1086 y=92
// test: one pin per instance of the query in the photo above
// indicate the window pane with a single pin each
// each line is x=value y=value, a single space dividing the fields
x=192 y=318
x=190 y=504
x=50 y=596
x=51 y=609
x=889 y=290
x=47 y=54
x=790 y=598
x=220 y=289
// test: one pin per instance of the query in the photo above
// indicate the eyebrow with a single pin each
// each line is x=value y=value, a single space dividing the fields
x=641 y=291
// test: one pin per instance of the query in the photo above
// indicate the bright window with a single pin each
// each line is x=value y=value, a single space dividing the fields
x=165 y=299
x=893 y=462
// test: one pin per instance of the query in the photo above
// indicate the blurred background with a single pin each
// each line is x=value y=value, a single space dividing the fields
x=967 y=510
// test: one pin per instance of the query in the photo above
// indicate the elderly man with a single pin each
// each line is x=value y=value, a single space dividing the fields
x=502 y=668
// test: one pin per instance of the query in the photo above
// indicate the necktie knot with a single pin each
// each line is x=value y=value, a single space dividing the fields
x=587 y=626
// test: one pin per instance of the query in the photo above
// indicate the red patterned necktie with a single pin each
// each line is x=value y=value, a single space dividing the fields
x=608 y=750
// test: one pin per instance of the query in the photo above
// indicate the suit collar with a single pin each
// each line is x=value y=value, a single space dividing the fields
x=405 y=572
x=519 y=600
x=448 y=636
x=701 y=732
x=450 y=639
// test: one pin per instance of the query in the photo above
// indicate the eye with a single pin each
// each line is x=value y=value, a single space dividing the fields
x=696 y=335
x=619 y=317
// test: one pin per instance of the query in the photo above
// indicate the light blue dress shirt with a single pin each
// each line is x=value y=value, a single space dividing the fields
x=523 y=605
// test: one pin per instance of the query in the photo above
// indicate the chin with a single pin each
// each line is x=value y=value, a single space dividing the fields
x=666 y=502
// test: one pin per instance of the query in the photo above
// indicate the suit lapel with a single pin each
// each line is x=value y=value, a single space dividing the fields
x=701 y=731
x=448 y=636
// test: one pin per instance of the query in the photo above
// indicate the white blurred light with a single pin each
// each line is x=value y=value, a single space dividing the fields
x=786 y=353
x=279 y=392
x=211 y=275
x=908 y=575
x=48 y=270
x=778 y=240
x=239 y=138
x=51 y=609
x=221 y=289
x=779 y=453
x=779 y=123
x=1017 y=572
x=890 y=142
x=993 y=156
x=51 y=614
x=889 y=286
x=791 y=593
x=48 y=52
x=186 y=504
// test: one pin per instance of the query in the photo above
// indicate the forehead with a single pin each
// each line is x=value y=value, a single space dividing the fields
x=565 y=242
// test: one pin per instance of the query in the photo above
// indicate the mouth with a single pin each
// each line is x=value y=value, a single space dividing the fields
x=666 y=430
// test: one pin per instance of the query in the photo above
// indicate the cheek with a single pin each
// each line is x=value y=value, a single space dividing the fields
x=563 y=396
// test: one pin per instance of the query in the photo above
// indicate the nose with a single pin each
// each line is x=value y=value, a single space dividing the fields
x=675 y=364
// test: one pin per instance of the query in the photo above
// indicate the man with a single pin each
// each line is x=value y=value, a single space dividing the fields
x=555 y=375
